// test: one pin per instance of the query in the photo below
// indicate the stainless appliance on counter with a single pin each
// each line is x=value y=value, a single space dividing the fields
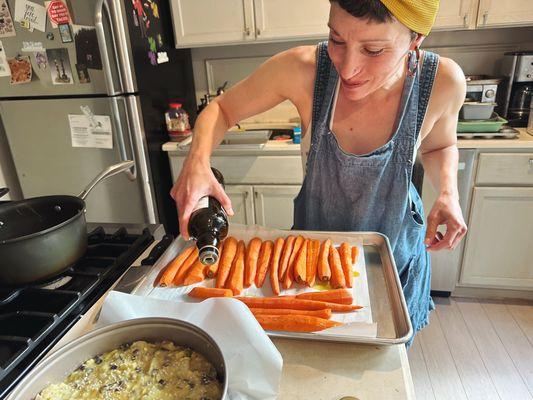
x=482 y=88
x=518 y=68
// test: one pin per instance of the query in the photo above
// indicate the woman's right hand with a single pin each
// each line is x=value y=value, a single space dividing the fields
x=196 y=180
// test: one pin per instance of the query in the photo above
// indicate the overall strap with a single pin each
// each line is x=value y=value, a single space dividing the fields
x=428 y=72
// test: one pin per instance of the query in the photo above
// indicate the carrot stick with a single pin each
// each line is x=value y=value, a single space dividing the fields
x=312 y=262
x=286 y=255
x=195 y=273
x=226 y=260
x=325 y=313
x=264 y=260
x=200 y=292
x=300 y=267
x=211 y=270
x=172 y=268
x=274 y=264
x=337 y=274
x=289 y=273
x=236 y=277
x=250 y=264
x=340 y=296
x=324 y=271
x=335 y=307
x=184 y=269
x=345 y=253
x=354 y=254
x=295 y=304
x=294 y=323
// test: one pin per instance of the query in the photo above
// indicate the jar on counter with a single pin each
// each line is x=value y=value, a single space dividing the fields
x=177 y=121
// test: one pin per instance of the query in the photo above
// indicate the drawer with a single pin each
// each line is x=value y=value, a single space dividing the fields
x=505 y=169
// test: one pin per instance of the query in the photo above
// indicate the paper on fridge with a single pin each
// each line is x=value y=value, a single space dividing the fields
x=92 y=132
x=254 y=364
x=32 y=13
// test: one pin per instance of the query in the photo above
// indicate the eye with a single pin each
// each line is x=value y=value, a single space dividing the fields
x=336 y=42
x=373 y=53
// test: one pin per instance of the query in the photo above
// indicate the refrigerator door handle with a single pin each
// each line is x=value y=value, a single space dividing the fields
x=102 y=5
x=131 y=173
x=121 y=46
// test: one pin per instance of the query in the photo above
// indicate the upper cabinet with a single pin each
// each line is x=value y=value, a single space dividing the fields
x=456 y=14
x=494 y=13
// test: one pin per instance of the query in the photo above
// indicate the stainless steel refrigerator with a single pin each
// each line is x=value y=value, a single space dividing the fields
x=105 y=73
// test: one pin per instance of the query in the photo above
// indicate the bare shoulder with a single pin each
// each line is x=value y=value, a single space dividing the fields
x=450 y=83
x=299 y=61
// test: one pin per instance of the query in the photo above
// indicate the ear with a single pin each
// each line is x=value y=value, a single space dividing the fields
x=417 y=42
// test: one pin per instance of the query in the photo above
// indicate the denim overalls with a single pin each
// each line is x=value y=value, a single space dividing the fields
x=372 y=192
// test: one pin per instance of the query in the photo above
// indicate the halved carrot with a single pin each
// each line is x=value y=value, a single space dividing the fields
x=211 y=270
x=250 y=263
x=226 y=260
x=295 y=304
x=300 y=263
x=236 y=277
x=274 y=264
x=323 y=270
x=195 y=273
x=337 y=274
x=173 y=267
x=295 y=323
x=184 y=269
x=286 y=255
x=325 y=313
x=346 y=262
x=263 y=263
x=354 y=254
x=312 y=262
x=339 y=296
x=288 y=278
x=200 y=292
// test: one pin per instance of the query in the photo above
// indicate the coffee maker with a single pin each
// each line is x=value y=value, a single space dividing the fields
x=517 y=67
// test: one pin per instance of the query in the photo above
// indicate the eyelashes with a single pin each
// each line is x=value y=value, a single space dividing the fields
x=370 y=53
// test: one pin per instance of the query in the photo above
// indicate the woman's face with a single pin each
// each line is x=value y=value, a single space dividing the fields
x=366 y=54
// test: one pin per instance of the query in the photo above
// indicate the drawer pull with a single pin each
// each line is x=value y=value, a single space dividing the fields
x=531 y=163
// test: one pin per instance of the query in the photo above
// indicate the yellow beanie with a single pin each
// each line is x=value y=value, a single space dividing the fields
x=417 y=15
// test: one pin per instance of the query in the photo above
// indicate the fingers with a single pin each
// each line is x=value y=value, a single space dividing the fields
x=431 y=229
x=454 y=233
x=184 y=216
x=224 y=200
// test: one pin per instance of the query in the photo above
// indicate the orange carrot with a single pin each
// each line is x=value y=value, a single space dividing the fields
x=340 y=296
x=173 y=267
x=325 y=313
x=274 y=264
x=295 y=304
x=250 y=264
x=200 y=292
x=323 y=270
x=184 y=269
x=211 y=270
x=354 y=254
x=264 y=261
x=300 y=267
x=289 y=273
x=295 y=323
x=346 y=262
x=286 y=255
x=312 y=262
x=335 y=307
x=337 y=275
x=226 y=260
x=236 y=277
x=195 y=273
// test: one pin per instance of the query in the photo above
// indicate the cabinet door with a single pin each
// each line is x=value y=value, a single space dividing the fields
x=456 y=14
x=209 y=22
x=505 y=13
x=499 y=247
x=242 y=202
x=281 y=19
x=274 y=205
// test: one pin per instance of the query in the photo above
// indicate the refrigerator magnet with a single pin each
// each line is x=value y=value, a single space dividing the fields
x=4 y=66
x=65 y=33
x=7 y=28
x=20 y=70
x=30 y=15
x=83 y=73
x=87 y=51
x=59 y=66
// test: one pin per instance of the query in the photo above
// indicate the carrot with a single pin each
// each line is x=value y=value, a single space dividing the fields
x=300 y=263
x=345 y=253
x=337 y=275
x=250 y=264
x=312 y=262
x=226 y=260
x=184 y=269
x=354 y=254
x=264 y=260
x=295 y=323
x=289 y=273
x=274 y=264
x=295 y=304
x=200 y=292
x=286 y=255
x=195 y=273
x=211 y=270
x=325 y=313
x=173 y=267
x=236 y=277
x=340 y=296
x=323 y=270
x=335 y=307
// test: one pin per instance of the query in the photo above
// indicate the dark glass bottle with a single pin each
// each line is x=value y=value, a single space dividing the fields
x=208 y=225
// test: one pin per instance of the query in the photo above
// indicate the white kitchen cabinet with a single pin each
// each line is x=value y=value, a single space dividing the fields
x=499 y=251
x=274 y=205
x=241 y=197
x=281 y=19
x=494 y=13
x=456 y=14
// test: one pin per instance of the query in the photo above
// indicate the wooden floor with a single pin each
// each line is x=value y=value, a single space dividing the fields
x=475 y=349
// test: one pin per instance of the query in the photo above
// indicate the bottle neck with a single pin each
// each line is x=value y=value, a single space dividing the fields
x=207 y=244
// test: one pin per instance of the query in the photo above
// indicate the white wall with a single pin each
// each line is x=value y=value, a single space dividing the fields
x=476 y=51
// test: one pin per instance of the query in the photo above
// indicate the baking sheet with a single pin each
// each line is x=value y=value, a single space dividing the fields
x=356 y=324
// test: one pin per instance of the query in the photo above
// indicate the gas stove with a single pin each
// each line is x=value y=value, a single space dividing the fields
x=34 y=317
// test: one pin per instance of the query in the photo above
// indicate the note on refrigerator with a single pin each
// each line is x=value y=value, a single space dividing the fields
x=94 y=132
x=32 y=13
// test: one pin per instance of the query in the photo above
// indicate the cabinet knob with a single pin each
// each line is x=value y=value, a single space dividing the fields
x=247 y=31
x=485 y=16
x=465 y=20
x=258 y=32
x=531 y=163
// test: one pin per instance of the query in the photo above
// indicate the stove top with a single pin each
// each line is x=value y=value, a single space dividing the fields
x=34 y=317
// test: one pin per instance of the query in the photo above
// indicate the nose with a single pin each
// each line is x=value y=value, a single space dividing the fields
x=351 y=65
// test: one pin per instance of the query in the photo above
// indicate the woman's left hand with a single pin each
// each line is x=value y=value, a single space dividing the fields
x=445 y=211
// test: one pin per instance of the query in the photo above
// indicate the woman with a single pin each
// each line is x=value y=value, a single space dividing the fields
x=368 y=101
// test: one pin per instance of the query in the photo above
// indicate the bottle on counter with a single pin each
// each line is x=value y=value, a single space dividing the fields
x=297 y=135
x=177 y=121
x=208 y=225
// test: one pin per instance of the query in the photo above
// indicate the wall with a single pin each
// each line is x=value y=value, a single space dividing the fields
x=476 y=51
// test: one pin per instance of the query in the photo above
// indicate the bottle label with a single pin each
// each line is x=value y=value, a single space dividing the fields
x=202 y=203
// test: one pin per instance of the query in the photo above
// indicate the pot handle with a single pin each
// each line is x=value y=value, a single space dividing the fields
x=106 y=173
x=3 y=191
